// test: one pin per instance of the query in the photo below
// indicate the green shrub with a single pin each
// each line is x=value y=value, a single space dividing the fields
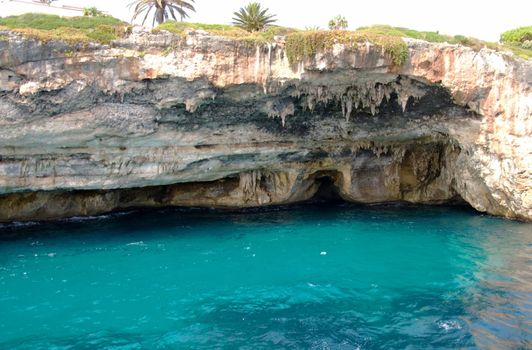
x=104 y=33
x=46 y=27
x=92 y=12
x=517 y=36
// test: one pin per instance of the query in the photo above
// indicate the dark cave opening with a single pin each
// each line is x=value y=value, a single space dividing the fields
x=327 y=192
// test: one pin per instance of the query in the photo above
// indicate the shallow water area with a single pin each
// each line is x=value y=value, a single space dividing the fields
x=312 y=276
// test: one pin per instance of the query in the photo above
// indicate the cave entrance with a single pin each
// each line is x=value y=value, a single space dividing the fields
x=327 y=183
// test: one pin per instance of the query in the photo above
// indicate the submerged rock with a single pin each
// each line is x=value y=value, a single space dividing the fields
x=160 y=120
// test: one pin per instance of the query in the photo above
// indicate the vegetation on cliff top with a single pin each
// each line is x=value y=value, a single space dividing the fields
x=476 y=44
x=421 y=35
x=306 y=43
x=299 y=43
x=520 y=39
x=302 y=43
x=228 y=31
x=521 y=36
x=74 y=30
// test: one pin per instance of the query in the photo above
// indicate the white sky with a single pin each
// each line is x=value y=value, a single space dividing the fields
x=484 y=19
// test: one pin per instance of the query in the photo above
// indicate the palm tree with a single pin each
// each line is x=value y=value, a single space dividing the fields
x=164 y=9
x=252 y=17
x=338 y=23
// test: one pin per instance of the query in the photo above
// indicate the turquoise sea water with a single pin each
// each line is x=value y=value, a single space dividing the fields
x=334 y=277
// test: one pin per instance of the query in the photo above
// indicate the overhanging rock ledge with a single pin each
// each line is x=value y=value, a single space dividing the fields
x=164 y=120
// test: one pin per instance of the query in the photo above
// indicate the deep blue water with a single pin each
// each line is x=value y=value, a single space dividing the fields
x=335 y=277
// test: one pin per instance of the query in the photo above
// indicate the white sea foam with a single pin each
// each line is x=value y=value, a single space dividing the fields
x=449 y=325
x=96 y=217
x=19 y=224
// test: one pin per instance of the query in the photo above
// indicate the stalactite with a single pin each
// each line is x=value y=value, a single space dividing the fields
x=403 y=99
x=249 y=183
x=349 y=109
x=280 y=110
x=357 y=97
x=262 y=185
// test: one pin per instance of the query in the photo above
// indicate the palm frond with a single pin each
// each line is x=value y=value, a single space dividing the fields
x=164 y=9
x=253 y=17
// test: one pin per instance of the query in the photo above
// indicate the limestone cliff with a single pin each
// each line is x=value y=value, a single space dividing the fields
x=158 y=120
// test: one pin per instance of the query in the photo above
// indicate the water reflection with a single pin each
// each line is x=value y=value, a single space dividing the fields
x=501 y=301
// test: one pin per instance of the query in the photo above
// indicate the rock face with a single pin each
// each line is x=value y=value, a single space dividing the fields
x=159 y=120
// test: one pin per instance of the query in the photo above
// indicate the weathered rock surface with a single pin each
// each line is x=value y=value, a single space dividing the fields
x=157 y=120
